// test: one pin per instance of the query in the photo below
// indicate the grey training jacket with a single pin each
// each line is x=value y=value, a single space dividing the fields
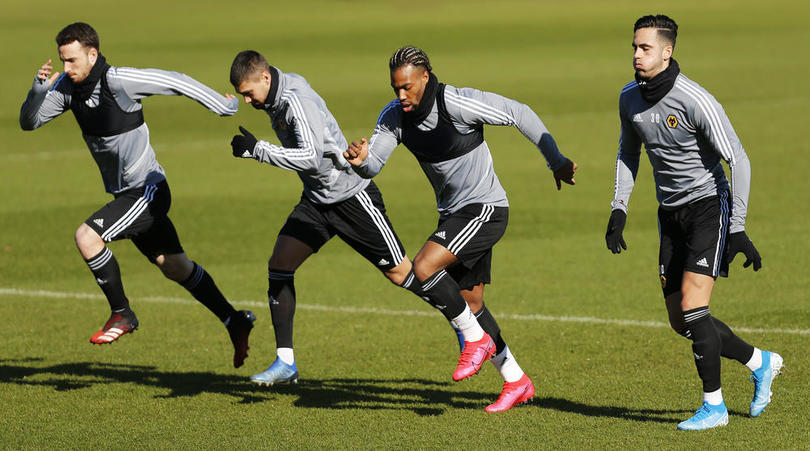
x=127 y=160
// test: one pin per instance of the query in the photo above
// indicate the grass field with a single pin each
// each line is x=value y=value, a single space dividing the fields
x=375 y=363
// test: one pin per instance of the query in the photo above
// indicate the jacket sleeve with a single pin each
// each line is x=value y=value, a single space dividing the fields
x=44 y=103
x=141 y=83
x=713 y=124
x=308 y=124
x=626 y=161
x=473 y=107
x=385 y=139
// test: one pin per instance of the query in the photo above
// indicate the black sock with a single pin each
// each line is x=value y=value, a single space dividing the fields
x=281 y=296
x=733 y=346
x=444 y=294
x=705 y=346
x=108 y=277
x=490 y=326
x=411 y=284
x=203 y=288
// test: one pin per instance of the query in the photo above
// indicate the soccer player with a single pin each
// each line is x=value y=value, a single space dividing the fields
x=335 y=201
x=443 y=127
x=687 y=134
x=106 y=102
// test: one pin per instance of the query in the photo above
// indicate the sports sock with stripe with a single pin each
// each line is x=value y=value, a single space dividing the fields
x=411 y=284
x=105 y=269
x=204 y=290
x=281 y=296
x=705 y=346
x=443 y=293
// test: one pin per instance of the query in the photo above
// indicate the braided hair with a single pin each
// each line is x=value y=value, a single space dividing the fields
x=409 y=55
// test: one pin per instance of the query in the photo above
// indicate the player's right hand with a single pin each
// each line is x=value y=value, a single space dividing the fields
x=243 y=144
x=45 y=71
x=613 y=237
x=357 y=152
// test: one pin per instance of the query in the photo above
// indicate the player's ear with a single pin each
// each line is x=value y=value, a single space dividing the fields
x=92 y=55
x=667 y=54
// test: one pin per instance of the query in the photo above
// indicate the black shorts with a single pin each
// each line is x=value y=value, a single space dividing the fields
x=139 y=214
x=470 y=234
x=360 y=221
x=693 y=238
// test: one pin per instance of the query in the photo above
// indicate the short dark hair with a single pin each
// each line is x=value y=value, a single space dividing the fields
x=78 y=31
x=409 y=55
x=664 y=26
x=246 y=63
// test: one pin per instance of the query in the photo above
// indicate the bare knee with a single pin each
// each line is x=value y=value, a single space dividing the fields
x=425 y=266
x=398 y=273
x=88 y=241
x=176 y=267
x=675 y=313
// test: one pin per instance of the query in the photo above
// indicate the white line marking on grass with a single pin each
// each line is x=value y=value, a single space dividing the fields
x=380 y=311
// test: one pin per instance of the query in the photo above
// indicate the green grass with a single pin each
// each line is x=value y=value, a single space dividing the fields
x=370 y=378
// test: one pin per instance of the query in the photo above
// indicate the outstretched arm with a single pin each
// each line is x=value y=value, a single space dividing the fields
x=471 y=106
x=42 y=104
x=140 y=83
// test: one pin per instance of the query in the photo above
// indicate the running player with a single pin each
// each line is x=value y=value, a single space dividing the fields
x=443 y=127
x=106 y=102
x=335 y=201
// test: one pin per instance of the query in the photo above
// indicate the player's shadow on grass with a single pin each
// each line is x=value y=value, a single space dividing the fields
x=654 y=415
x=422 y=396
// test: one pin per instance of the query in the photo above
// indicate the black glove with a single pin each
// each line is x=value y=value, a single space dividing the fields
x=739 y=242
x=613 y=237
x=243 y=144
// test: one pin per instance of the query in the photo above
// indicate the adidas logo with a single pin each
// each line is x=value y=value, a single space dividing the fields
x=273 y=301
x=697 y=357
x=637 y=118
x=702 y=262
x=100 y=281
x=441 y=234
x=383 y=262
x=99 y=222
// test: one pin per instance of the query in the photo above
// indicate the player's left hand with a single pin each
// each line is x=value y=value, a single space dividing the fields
x=357 y=152
x=565 y=174
x=243 y=144
x=739 y=242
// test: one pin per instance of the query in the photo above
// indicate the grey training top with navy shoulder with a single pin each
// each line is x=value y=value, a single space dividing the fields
x=126 y=160
x=469 y=178
x=686 y=135
x=312 y=142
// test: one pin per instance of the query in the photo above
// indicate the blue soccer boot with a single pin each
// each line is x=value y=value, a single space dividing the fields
x=278 y=373
x=763 y=378
x=707 y=417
